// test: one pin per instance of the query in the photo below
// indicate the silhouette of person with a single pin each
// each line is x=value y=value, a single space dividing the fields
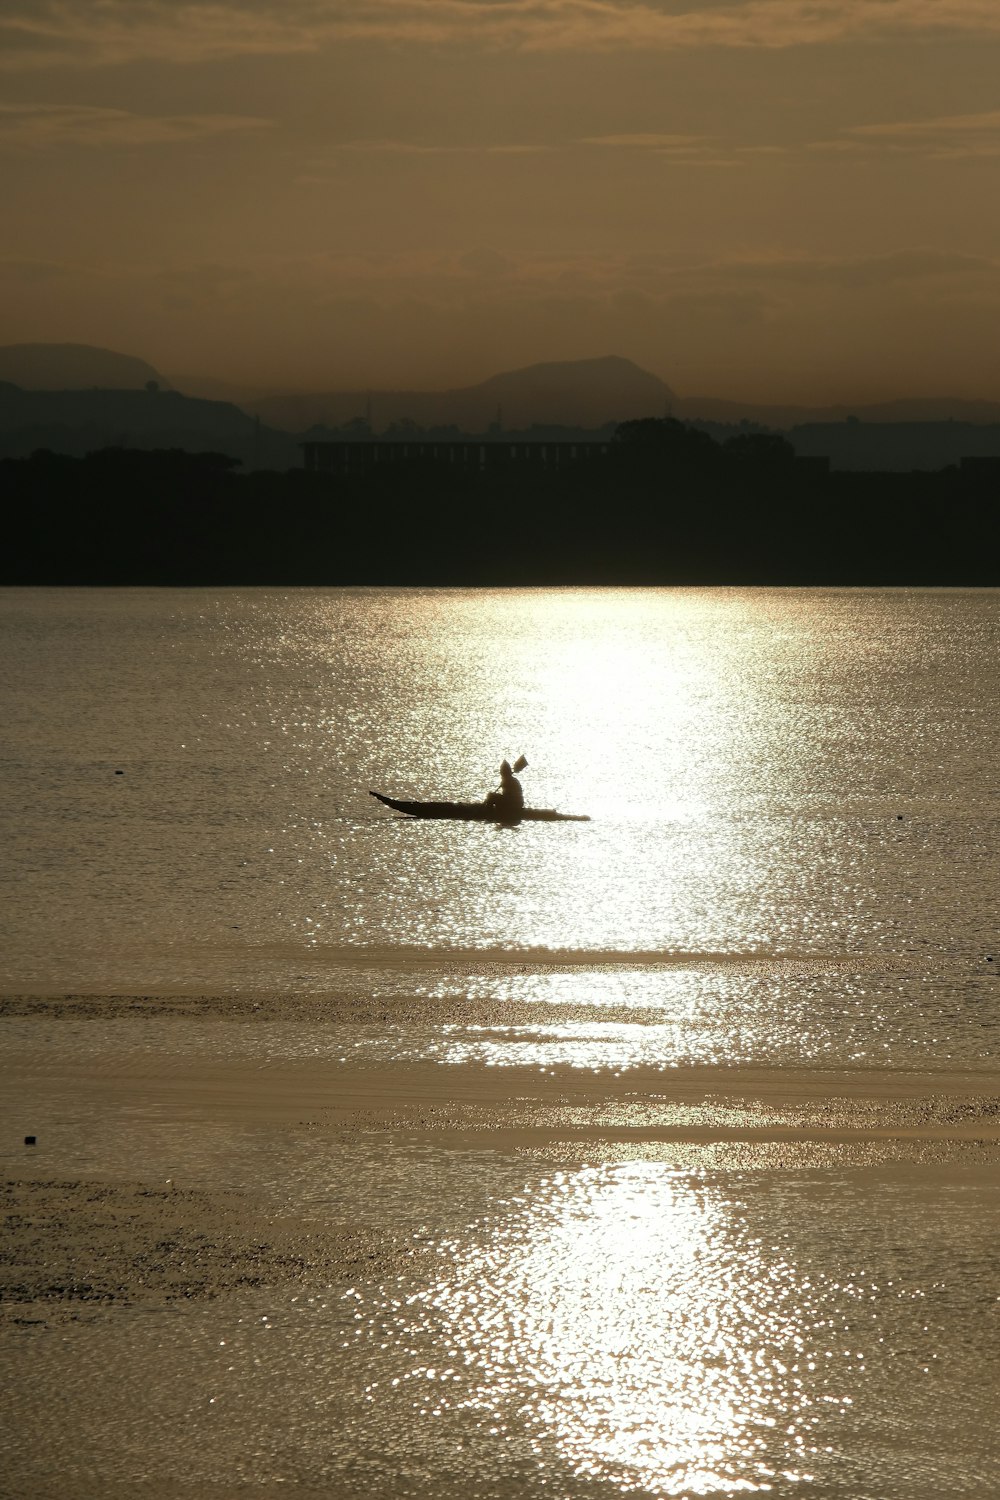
x=508 y=800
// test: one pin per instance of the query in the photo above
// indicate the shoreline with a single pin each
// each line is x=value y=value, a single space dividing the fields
x=707 y=1101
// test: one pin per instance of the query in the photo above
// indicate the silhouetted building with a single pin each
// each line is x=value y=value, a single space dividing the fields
x=362 y=457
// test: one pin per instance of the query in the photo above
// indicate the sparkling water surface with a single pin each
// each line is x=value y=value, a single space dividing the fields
x=791 y=865
x=775 y=777
x=569 y=1330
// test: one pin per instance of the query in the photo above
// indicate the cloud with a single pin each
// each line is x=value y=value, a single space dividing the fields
x=944 y=137
x=40 y=33
x=200 y=287
x=30 y=271
x=484 y=262
x=750 y=287
x=82 y=33
x=648 y=141
x=437 y=148
x=854 y=273
x=941 y=137
x=678 y=150
x=795 y=327
x=37 y=126
x=743 y=279
x=677 y=147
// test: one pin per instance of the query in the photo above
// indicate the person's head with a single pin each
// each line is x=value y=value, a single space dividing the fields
x=506 y=774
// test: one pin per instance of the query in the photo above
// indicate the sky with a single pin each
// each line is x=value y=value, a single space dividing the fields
x=755 y=199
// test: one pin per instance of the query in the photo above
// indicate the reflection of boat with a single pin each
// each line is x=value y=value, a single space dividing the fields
x=477 y=812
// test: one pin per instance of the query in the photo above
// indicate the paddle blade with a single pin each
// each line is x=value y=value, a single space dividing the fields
x=521 y=764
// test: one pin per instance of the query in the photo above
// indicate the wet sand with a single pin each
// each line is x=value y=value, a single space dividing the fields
x=94 y=1229
x=714 y=1115
x=509 y=1105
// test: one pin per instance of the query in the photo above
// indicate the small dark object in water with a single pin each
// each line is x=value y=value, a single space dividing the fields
x=477 y=812
x=989 y=958
x=29 y=1140
x=119 y=773
x=899 y=817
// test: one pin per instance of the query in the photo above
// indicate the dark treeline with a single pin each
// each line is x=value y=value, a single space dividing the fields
x=665 y=505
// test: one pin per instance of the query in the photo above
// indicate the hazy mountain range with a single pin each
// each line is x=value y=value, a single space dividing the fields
x=78 y=422
x=74 y=367
x=73 y=399
x=580 y=393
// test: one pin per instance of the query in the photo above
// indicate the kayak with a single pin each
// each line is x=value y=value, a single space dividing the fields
x=477 y=812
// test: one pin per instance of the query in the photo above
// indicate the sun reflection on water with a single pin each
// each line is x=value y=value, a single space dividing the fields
x=625 y=1320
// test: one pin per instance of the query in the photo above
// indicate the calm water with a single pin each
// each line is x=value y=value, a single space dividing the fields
x=795 y=799
x=792 y=860
x=576 y=1332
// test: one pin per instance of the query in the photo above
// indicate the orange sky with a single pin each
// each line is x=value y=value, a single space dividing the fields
x=775 y=199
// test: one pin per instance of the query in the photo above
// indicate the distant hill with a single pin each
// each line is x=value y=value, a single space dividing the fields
x=587 y=392
x=75 y=398
x=577 y=393
x=77 y=422
x=74 y=367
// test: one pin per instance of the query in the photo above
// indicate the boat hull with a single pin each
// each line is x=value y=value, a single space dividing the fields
x=476 y=812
